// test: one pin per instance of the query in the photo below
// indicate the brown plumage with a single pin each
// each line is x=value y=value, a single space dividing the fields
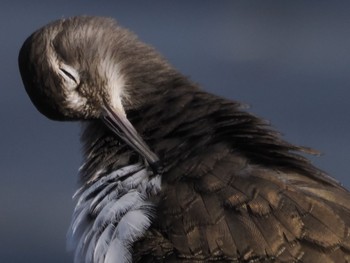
x=231 y=189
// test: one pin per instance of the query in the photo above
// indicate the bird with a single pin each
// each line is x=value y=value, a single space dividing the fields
x=172 y=173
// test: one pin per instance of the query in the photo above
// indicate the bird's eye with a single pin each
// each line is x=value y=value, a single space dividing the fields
x=69 y=74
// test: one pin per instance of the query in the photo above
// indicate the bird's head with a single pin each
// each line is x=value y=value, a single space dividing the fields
x=70 y=67
x=72 y=70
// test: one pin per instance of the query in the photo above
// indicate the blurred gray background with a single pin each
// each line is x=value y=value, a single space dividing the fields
x=289 y=60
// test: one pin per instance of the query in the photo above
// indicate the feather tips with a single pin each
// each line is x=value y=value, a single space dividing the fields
x=111 y=214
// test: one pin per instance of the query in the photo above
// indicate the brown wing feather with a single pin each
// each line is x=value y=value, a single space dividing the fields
x=228 y=209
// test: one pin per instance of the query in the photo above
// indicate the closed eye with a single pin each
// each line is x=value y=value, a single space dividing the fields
x=69 y=75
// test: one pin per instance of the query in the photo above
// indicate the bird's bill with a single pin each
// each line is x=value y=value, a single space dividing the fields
x=120 y=125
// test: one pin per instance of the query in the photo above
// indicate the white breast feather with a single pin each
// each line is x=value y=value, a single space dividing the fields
x=111 y=214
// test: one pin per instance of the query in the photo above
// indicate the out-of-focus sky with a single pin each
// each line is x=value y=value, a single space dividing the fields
x=289 y=60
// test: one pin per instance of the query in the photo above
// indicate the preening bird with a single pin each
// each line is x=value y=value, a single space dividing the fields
x=172 y=173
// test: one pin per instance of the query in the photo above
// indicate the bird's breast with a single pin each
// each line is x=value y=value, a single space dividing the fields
x=112 y=213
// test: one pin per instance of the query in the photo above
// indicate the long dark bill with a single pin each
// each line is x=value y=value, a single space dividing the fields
x=121 y=126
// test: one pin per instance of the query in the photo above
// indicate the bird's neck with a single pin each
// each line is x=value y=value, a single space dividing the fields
x=148 y=89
